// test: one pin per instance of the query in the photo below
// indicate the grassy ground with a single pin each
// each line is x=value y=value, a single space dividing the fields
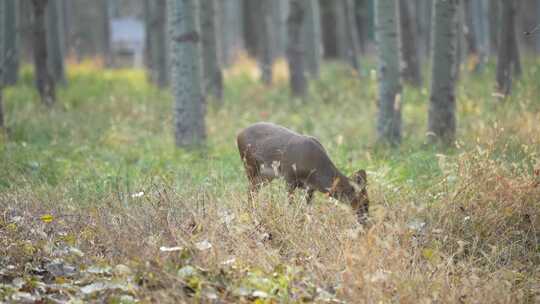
x=96 y=203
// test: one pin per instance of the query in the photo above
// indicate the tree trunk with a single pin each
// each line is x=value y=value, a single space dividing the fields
x=312 y=38
x=11 y=47
x=389 y=116
x=295 y=52
x=279 y=21
x=265 y=41
x=424 y=16
x=55 y=41
x=340 y=34
x=106 y=33
x=494 y=24
x=251 y=26
x=3 y=51
x=351 y=31
x=213 y=78
x=478 y=23
x=44 y=81
x=410 y=63
x=231 y=29
x=442 y=104
x=186 y=73
x=328 y=28
x=156 y=42
x=507 y=49
x=362 y=22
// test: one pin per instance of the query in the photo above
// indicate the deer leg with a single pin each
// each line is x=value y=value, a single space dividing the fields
x=291 y=187
x=309 y=195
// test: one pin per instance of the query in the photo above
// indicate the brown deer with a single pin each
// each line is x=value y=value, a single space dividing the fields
x=270 y=151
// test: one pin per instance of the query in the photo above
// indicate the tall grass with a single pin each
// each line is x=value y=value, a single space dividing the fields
x=97 y=182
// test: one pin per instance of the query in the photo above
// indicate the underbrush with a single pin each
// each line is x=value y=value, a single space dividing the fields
x=96 y=204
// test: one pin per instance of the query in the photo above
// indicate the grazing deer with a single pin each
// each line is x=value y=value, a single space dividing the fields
x=270 y=151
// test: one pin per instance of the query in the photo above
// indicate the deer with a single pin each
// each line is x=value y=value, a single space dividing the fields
x=269 y=151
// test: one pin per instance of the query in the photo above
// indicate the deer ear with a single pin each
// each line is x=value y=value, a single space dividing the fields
x=360 y=178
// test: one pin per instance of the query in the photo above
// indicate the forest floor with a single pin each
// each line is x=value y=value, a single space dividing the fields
x=97 y=204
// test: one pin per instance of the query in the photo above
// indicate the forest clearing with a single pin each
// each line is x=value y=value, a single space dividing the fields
x=132 y=151
x=97 y=203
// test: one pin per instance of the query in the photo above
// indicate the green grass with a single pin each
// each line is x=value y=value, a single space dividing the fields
x=110 y=136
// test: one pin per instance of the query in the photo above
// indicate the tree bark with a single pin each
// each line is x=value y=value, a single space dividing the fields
x=44 y=80
x=410 y=62
x=295 y=51
x=55 y=41
x=11 y=42
x=442 y=104
x=494 y=24
x=507 y=50
x=312 y=38
x=186 y=73
x=213 y=78
x=265 y=40
x=389 y=115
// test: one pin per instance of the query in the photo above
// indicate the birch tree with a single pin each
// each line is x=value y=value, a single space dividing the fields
x=44 y=81
x=442 y=104
x=213 y=78
x=189 y=108
x=389 y=115
x=11 y=42
x=55 y=40
x=312 y=38
x=410 y=67
x=295 y=50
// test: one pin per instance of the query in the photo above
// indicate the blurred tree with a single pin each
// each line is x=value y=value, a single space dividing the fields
x=478 y=32
x=494 y=14
x=442 y=104
x=386 y=27
x=251 y=26
x=11 y=42
x=362 y=21
x=55 y=40
x=213 y=78
x=424 y=14
x=265 y=40
x=105 y=10
x=508 y=54
x=3 y=56
x=295 y=49
x=351 y=33
x=312 y=38
x=44 y=81
x=410 y=68
x=280 y=10
x=186 y=73
x=155 y=40
x=231 y=29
